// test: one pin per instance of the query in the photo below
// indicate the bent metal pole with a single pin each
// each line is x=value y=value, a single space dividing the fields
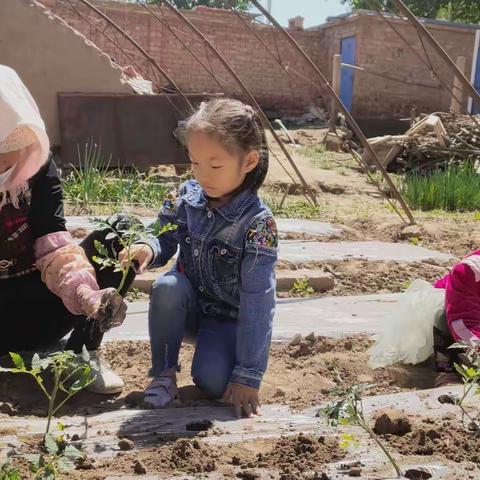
x=246 y=91
x=353 y=124
x=422 y=30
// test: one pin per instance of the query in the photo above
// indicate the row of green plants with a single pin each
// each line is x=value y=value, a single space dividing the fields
x=454 y=188
x=95 y=183
x=95 y=186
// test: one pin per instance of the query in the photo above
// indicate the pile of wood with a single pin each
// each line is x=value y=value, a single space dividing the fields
x=434 y=141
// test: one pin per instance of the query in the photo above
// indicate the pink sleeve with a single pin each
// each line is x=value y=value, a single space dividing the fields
x=462 y=300
x=67 y=272
x=442 y=283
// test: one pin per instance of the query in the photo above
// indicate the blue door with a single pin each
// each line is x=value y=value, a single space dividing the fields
x=476 y=106
x=347 y=50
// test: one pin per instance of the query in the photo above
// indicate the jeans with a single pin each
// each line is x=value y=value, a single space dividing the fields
x=173 y=316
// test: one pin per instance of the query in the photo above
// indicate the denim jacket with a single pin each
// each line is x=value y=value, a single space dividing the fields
x=229 y=255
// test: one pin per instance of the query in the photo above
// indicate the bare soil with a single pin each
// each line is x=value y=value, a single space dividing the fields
x=302 y=374
x=287 y=457
x=446 y=438
x=299 y=376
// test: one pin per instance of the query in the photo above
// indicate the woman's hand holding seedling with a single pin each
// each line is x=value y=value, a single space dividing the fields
x=243 y=397
x=112 y=310
x=105 y=306
x=140 y=254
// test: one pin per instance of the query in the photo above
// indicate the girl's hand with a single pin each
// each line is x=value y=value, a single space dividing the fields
x=141 y=254
x=243 y=398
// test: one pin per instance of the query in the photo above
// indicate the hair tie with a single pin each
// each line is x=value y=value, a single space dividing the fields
x=250 y=110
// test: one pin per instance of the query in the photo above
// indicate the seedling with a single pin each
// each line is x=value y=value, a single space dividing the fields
x=71 y=374
x=128 y=231
x=53 y=460
x=301 y=288
x=348 y=410
x=470 y=375
x=7 y=472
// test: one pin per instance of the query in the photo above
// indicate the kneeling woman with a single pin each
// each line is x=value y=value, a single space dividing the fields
x=48 y=287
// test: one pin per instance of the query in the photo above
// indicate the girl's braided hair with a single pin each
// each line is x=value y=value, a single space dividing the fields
x=240 y=130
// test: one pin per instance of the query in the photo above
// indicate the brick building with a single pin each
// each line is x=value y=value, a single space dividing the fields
x=394 y=79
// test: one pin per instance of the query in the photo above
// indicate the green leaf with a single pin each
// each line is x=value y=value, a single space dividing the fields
x=100 y=247
x=60 y=427
x=97 y=260
x=39 y=364
x=18 y=361
x=470 y=372
x=72 y=452
x=85 y=377
x=348 y=440
x=33 y=459
x=51 y=444
x=85 y=354
x=36 y=362
x=65 y=464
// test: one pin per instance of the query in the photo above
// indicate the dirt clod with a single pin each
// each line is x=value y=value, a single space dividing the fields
x=297 y=339
x=202 y=426
x=7 y=409
x=355 y=472
x=418 y=474
x=139 y=468
x=393 y=422
x=125 y=444
x=294 y=455
x=248 y=475
x=447 y=399
x=310 y=337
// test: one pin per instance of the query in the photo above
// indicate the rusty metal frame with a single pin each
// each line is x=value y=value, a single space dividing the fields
x=351 y=121
x=135 y=44
x=209 y=71
x=165 y=23
x=423 y=32
x=246 y=92
x=149 y=73
x=142 y=53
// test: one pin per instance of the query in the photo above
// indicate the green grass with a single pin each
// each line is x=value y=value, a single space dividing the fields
x=455 y=189
x=93 y=187
x=115 y=188
x=301 y=288
x=292 y=208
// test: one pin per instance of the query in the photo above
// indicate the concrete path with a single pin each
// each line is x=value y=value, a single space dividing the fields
x=326 y=316
x=298 y=252
x=144 y=426
x=286 y=226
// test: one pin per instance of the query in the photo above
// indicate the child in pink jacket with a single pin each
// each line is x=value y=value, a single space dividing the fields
x=462 y=312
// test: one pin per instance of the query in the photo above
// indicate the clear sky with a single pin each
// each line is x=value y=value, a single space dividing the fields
x=314 y=11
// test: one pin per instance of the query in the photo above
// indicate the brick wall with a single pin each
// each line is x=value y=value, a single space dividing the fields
x=408 y=82
x=379 y=50
x=262 y=75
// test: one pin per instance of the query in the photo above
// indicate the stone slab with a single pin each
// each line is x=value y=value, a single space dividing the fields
x=304 y=252
x=286 y=226
x=320 y=281
x=326 y=316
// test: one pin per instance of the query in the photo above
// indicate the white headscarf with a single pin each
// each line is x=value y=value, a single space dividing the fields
x=19 y=118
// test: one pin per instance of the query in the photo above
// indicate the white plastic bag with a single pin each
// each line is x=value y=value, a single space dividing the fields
x=408 y=335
